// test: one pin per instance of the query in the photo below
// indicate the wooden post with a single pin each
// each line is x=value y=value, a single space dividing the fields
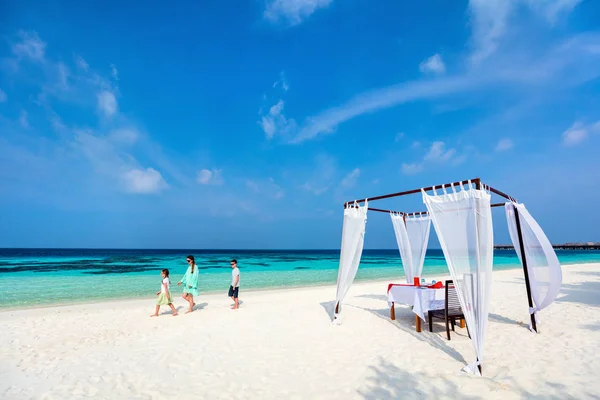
x=462 y=323
x=392 y=313
x=524 y=262
x=418 y=323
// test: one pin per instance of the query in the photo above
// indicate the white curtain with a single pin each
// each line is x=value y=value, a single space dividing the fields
x=412 y=236
x=463 y=222
x=353 y=236
x=543 y=267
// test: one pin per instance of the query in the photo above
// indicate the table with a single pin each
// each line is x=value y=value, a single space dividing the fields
x=421 y=298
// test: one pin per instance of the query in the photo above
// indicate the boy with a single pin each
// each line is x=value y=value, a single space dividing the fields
x=235 y=284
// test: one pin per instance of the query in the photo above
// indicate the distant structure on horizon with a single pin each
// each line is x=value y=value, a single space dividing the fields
x=565 y=246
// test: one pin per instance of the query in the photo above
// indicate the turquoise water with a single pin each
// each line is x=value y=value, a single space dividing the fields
x=32 y=277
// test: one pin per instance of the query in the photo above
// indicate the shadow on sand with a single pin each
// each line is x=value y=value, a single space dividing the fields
x=388 y=381
x=587 y=293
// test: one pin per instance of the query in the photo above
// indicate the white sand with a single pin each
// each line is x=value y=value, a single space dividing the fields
x=281 y=345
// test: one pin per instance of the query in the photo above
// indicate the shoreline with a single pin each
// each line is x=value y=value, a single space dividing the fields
x=249 y=291
x=212 y=293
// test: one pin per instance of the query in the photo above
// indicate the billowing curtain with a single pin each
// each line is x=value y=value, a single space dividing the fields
x=462 y=218
x=412 y=236
x=353 y=236
x=543 y=267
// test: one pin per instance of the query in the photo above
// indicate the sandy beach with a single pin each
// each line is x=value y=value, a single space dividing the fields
x=282 y=344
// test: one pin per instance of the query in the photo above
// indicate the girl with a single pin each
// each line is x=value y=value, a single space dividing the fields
x=190 y=283
x=164 y=296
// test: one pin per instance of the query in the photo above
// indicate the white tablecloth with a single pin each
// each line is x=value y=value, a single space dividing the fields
x=422 y=299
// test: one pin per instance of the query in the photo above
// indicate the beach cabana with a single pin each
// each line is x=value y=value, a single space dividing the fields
x=462 y=218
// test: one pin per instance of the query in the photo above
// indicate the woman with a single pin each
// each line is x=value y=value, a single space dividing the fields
x=190 y=283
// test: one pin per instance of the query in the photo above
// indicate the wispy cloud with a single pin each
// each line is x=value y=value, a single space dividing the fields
x=491 y=19
x=81 y=63
x=108 y=146
x=209 y=177
x=273 y=121
x=350 y=179
x=282 y=82
x=437 y=153
x=3 y=96
x=30 y=46
x=411 y=169
x=568 y=63
x=267 y=188
x=292 y=12
x=399 y=137
x=433 y=64
x=124 y=135
x=114 y=72
x=579 y=132
x=323 y=171
x=107 y=103
x=23 y=120
x=504 y=144
x=328 y=120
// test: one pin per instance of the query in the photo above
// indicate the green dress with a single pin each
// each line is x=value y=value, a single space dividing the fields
x=190 y=281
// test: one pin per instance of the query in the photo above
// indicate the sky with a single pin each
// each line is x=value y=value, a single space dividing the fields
x=247 y=126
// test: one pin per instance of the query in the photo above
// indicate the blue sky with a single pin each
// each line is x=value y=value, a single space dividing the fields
x=199 y=125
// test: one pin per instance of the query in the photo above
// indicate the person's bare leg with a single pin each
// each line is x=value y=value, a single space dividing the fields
x=156 y=312
x=236 y=305
x=190 y=300
x=173 y=308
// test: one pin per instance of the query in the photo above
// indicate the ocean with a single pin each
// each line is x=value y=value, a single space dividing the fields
x=41 y=277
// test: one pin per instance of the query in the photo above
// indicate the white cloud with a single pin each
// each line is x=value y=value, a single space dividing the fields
x=490 y=20
x=438 y=153
x=107 y=103
x=23 y=120
x=350 y=179
x=114 y=72
x=267 y=188
x=144 y=181
x=126 y=136
x=3 y=96
x=433 y=64
x=317 y=191
x=552 y=10
x=568 y=63
x=574 y=135
x=275 y=122
x=411 y=169
x=578 y=132
x=282 y=82
x=81 y=63
x=63 y=75
x=322 y=175
x=327 y=121
x=399 y=136
x=209 y=177
x=504 y=144
x=292 y=11
x=30 y=46
x=252 y=186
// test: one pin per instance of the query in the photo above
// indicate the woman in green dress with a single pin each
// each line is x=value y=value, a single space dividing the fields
x=190 y=283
